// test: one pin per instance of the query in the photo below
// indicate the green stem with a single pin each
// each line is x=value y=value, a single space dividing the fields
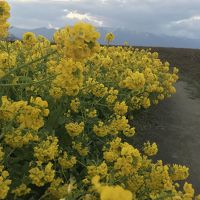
x=2 y=135
x=81 y=163
x=44 y=196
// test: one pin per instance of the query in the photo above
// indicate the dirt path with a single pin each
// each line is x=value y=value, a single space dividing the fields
x=174 y=125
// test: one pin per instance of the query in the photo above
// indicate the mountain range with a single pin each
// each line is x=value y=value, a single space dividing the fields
x=121 y=35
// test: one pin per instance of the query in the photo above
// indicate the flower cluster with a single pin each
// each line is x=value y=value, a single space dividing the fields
x=111 y=192
x=4 y=180
x=150 y=149
x=109 y=37
x=67 y=162
x=24 y=116
x=137 y=74
x=77 y=42
x=40 y=175
x=46 y=150
x=4 y=15
x=64 y=119
x=69 y=78
x=21 y=190
x=74 y=129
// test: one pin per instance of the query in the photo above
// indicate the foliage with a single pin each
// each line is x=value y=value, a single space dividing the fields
x=64 y=120
x=109 y=37
x=4 y=15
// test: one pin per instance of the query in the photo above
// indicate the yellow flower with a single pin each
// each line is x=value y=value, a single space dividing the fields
x=197 y=197
x=120 y=108
x=133 y=81
x=112 y=96
x=109 y=37
x=129 y=160
x=101 y=170
x=75 y=129
x=107 y=62
x=46 y=150
x=172 y=90
x=67 y=162
x=69 y=78
x=120 y=123
x=78 y=146
x=99 y=90
x=21 y=190
x=29 y=39
x=24 y=115
x=161 y=97
x=111 y=192
x=159 y=177
x=4 y=182
x=179 y=172
x=77 y=42
x=59 y=189
x=1 y=154
x=40 y=176
x=92 y=113
x=189 y=191
x=30 y=118
x=150 y=149
x=17 y=138
x=125 y=43
x=175 y=70
x=75 y=103
x=129 y=132
x=110 y=156
x=135 y=182
x=7 y=61
x=43 y=105
x=2 y=73
x=101 y=130
x=146 y=102
x=39 y=102
x=115 y=193
x=4 y=15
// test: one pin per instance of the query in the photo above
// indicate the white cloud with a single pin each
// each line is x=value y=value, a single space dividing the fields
x=84 y=17
x=43 y=1
x=188 y=21
x=187 y=27
x=174 y=17
x=24 y=1
x=52 y=26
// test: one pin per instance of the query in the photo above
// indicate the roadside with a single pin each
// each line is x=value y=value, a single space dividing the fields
x=174 y=124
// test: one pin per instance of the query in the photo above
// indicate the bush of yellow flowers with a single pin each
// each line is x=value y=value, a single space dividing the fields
x=64 y=119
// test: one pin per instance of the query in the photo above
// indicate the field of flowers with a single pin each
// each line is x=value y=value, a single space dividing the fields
x=64 y=119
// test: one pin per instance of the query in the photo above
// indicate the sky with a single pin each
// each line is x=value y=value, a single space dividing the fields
x=169 y=17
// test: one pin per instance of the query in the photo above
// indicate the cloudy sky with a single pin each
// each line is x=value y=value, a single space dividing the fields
x=170 y=17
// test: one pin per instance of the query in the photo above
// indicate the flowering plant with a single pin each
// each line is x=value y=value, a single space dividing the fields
x=64 y=119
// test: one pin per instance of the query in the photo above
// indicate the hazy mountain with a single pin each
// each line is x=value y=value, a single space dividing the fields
x=12 y=37
x=148 y=39
x=18 y=32
x=122 y=35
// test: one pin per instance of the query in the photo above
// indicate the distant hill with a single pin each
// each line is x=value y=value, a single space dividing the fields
x=122 y=35
x=12 y=37
x=18 y=32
